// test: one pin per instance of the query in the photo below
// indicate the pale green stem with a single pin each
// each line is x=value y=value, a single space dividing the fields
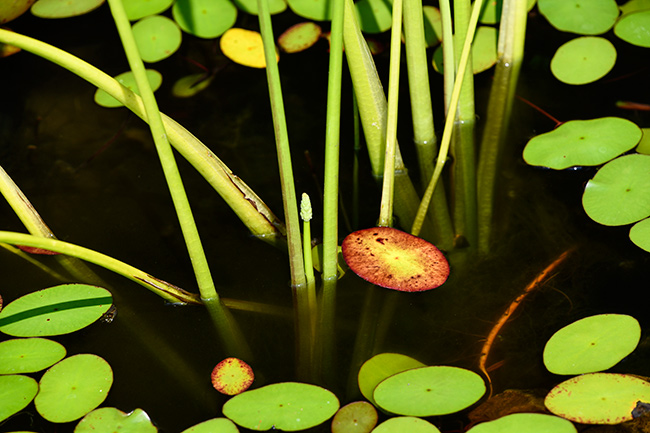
x=355 y=163
x=306 y=216
x=510 y=53
x=448 y=57
x=449 y=121
x=244 y=202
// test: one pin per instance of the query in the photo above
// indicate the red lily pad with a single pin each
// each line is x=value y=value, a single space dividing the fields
x=395 y=260
x=232 y=376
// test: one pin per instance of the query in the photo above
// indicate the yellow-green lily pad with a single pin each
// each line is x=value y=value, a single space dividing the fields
x=584 y=17
x=127 y=80
x=10 y=10
x=583 y=60
x=317 y=10
x=214 y=425
x=299 y=37
x=634 y=28
x=16 y=392
x=112 y=420
x=380 y=367
x=136 y=9
x=525 y=422
x=640 y=234
x=64 y=8
x=250 y=6
x=355 y=417
x=157 y=38
x=204 y=18
x=28 y=355
x=375 y=16
x=408 y=424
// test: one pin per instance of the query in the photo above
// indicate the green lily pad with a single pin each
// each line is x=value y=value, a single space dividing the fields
x=299 y=37
x=157 y=38
x=432 y=25
x=204 y=18
x=598 y=398
x=406 y=424
x=375 y=16
x=395 y=260
x=619 y=193
x=244 y=47
x=356 y=417
x=634 y=28
x=28 y=355
x=127 y=80
x=583 y=60
x=584 y=17
x=16 y=392
x=11 y=10
x=112 y=420
x=429 y=391
x=582 y=142
x=592 y=344
x=64 y=8
x=215 y=425
x=137 y=9
x=525 y=422
x=73 y=387
x=250 y=6
x=484 y=51
x=380 y=367
x=55 y=311
x=640 y=234
x=644 y=144
x=190 y=85
x=288 y=406
x=491 y=13
x=317 y=10
x=634 y=6
x=232 y=376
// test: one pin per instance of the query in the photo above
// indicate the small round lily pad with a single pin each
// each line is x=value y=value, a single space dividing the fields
x=634 y=28
x=380 y=367
x=244 y=47
x=429 y=391
x=406 y=424
x=525 y=422
x=204 y=18
x=598 y=398
x=299 y=37
x=112 y=420
x=288 y=406
x=28 y=355
x=317 y=10
x=583 y=60
x=355 y=417
x=73 y=387
x=157 y=38
x=619 y=193
x=12 y=10
x=640 y=234
x=232 y=376
x=16 y=392
x=375 y=16
x=190 y=85
x=584 y=17
x=582 y=142
x=55 y=311
x=127 y=80
x=64 y=8
x=395 y=260
x=250 y=6
x=592 y=344
x=137 y=9
x=214 y=425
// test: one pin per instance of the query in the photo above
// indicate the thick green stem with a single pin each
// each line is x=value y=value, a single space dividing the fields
x=510 y=53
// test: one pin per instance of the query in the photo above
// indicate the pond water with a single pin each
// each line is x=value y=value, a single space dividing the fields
x=93 y=175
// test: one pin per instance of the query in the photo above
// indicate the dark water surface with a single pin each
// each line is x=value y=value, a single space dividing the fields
x=116 y=202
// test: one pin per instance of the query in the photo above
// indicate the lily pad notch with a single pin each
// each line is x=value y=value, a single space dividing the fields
x=395 y=260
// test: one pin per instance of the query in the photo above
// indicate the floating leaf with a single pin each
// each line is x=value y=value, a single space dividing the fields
x=10 y=10
x=432 y=25
x=644 y=144
x=406 y=424
x=244 y=47
x=157 y=38
x=73 y=387
x=640 y=234
x=584 y=17
x=634 y=6
x=598 y=398
x=127 y=80
x=190 y=85
x=299 y=37
x=64 y=8
x=380 y=367
x=136 y=9
x=16 y=392
x=634 y=28
x=484 y=51
x=317 y=10
x=525 y=422
x=55 y=311
x=112 y=420
x=619 y=193
x=28 y=355
x=288 y=406
x=582 y=142
x=375 y=16
x=394 y=259
x=583 y=60
x=204 y=18
x=250 y=6
x=232 y=376
x=429 y=391
x=215 y=425
x=592 y=344
x=356 y=417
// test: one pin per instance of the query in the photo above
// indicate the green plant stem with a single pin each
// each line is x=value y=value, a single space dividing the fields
x=225 y=324
x=242 y=200
x=355 y=163
x=162 y=288
x=449 y=121
x=512 y=35
x=448 y=57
